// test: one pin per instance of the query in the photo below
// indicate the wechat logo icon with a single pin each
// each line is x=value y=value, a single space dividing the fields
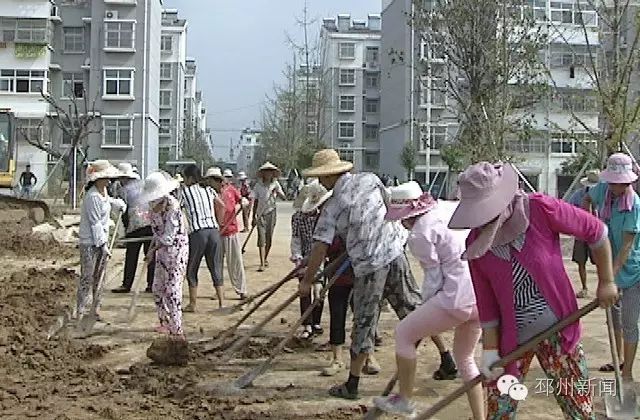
x=509 y=385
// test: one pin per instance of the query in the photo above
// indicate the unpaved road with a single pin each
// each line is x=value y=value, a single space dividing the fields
x=107 y=376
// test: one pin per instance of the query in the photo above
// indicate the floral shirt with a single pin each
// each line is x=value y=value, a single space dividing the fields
x=302 y=234
x=170 y=226
x=356 y=214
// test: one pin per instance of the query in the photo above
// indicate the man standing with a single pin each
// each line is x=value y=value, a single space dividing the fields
x=27 y=181
x=229 y=199
x=356 y=213
x=264 y=209
x=204 y=237
x=580 y=249
x=245 y=192
x=136 y=226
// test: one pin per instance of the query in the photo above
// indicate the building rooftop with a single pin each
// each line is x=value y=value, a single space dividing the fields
x=345 y=24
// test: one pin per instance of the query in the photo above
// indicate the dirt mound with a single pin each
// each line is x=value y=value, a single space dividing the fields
x=17 y=240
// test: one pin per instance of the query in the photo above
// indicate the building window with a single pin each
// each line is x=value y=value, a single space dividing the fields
x=22 y=81
x=66 y=139
x=431 y=50
x=165 y=126
x=528 y=145
x=118 y=83
x=372 y=55
x=117 y=131
x=72 y=85
x=438 y=92
x=372 y=106
x=438 y=134
x=574 y=55
x=347 y=103
x=165 y=99
x=570 y=143
x=346 y=130
x=346 y=155
x=347 y=50
x=30 y=128
x=372 y=81
x=119 y=34
x=578 y=102
x=165 y=71
x=371 y=160
x=31 y=30
x=572 y=13
x=312 y=127
x=347 y=77
x=166 y=43
x=371 y=132
x=73 y=39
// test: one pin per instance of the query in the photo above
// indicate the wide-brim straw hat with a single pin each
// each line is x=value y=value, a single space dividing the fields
x=126 y=171
x=591 y=179
x=158 y=185
x=327 y=162
x=619 y=170
x=213 y=173
x=268 y=166
x=317 y=195
x=408 y=200
x=101 y=169
x=485 y=191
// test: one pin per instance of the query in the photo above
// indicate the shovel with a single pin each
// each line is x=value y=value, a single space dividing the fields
x=137 y=285
x=623 y=403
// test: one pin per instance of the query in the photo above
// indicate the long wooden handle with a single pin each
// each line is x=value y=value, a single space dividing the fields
x=509 y=358
x=615 y=356
x=136 y=291
x=246 y=241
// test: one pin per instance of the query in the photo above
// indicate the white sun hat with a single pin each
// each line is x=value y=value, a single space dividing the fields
x=317 y=195
x=213 y=173
x=157 y=185
x=101 y=169
x=127 y=171
x=228 y=173
x=242 y=175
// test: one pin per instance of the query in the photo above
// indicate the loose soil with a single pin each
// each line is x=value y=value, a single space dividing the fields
x=16 y=240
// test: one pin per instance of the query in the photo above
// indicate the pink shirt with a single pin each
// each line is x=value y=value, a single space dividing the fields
x=541 y=256
x=447 y=280
x=230 y=198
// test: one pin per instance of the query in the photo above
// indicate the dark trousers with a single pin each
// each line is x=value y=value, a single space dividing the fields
x=338 y=305
x=316 y=315
x=131 y=257
x=205 y=243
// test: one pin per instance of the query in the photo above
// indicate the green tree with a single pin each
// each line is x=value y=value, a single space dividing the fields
x=409 y=159
x=195 y=147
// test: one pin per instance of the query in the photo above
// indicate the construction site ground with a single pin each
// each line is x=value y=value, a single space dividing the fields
x=108 y=376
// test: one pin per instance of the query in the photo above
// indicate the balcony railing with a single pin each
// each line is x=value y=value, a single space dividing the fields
x=26 y=31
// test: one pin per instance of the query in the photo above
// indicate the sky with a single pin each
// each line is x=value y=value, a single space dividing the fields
x=241 y=50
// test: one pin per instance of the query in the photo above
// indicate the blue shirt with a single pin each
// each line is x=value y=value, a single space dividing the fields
x=577 y=197
x=620 y=222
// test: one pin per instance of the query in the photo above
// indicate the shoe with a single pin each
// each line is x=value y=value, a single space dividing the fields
x=333 y=369
x=260 y=269
x=582 y=294
x=317 y=330
x=447 y=370
x=378 y=341
x=120 y=289
x=371 y=367
x=395 y=404
x=341 y=391
x=148 y=290
x=189 y=309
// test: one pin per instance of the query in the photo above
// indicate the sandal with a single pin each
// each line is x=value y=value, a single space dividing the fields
x=317 y=330
x=341 y=391
x=582 y=294
x=608 y=367
x=260 y=269
x=305 y=335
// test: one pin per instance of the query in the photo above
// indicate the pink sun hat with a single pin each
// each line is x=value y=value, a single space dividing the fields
x=485 y=191
x=619 y=170
x=407 y=200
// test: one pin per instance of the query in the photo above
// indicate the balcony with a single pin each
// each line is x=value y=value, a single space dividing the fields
x=372 y=66
x=26 y=31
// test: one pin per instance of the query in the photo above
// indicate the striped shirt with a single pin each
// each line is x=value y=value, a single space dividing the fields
x=197 y=202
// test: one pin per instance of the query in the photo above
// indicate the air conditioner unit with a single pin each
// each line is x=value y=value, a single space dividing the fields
x=111 y=14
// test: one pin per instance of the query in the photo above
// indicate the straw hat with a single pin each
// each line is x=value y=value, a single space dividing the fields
x=485 y=191
x=126 y=171
x=213 y=173
x=317 y=195
x=592 y=179
x=101 y=169
x=242 y=176
x=157 y=185
x=228 y=173
x=268 y=166
x=619 y=170
x=407 y=200
x=178 y=177
x=327 y=162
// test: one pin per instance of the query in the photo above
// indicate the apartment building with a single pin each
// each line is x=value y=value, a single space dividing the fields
x=173 y=63
x=25 y=53
x=351 y=85
x=248 y=151
x=308 y=81
x=415 y=106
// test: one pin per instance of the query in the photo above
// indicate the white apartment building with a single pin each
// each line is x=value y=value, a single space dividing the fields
x=173 y=49
x=416 y=108
x=351 y=83
x=248 y=151
x=25 y=53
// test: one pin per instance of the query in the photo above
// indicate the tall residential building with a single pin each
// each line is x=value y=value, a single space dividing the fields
x=351 y=84
x=248 y=151
x=25 y=54
x=173 y=50
x=110 y=51
x=415 y=105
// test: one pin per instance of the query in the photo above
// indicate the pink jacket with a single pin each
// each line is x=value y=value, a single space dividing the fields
x=542 y=258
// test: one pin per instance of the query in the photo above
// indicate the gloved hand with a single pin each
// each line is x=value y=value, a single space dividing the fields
x=489 y=357
x=104 y=249
x=119 y=205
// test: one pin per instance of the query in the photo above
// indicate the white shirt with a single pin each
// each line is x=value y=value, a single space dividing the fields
x=94 y=218
x=265 y=196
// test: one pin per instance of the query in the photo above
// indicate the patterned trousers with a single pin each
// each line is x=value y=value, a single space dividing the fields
x=171 y=267
x=93 y=264
x=568 y=375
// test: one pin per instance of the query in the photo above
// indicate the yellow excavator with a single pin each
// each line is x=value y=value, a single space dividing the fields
x=8 y=158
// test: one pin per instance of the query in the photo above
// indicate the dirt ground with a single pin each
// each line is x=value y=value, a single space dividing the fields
x=108 y=376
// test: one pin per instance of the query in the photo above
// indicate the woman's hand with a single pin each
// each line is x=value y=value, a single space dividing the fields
x=607 y=294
